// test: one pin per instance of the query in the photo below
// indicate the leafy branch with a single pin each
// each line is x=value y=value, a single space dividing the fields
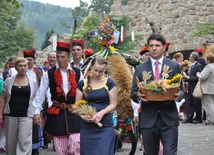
x=203 y=29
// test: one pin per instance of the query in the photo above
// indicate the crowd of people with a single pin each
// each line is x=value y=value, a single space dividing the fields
x=36 y=102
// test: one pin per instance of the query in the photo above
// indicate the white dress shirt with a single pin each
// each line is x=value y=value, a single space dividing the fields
x=79 y=65
x=44 y=85
x=153 y=61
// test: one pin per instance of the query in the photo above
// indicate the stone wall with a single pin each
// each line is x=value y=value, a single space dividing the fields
x=176 y=18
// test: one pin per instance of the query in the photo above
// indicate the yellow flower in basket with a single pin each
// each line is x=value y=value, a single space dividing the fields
x=81 y=107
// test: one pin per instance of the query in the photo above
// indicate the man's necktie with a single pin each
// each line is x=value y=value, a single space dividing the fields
x=157 y=70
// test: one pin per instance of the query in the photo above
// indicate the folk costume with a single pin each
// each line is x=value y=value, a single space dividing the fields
x=62 y=125
x=35 y=73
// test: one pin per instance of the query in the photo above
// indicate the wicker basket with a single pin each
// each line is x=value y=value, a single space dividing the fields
x=152 y=95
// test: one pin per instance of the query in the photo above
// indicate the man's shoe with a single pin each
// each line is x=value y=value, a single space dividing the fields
x=197 y=122
x=187 y=121
x=45 y=147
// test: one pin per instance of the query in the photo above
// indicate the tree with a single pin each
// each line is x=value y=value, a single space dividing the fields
x=101 y=6
x=13 y=37
x=15 y=3
x=47 y=36
x=81 y=11
x=78 y=13
x=203 y=29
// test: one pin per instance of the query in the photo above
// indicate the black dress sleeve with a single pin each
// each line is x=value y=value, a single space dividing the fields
x=110 y=84
x=80 y=85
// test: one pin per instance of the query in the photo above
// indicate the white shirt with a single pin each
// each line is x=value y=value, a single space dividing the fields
x=44 y=86
x=135 y=107
x=31 y=73
x=12 y=71
x=79 y=65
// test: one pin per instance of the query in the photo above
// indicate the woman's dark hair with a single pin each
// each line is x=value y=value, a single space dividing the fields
x=99 y=60
x=158 y=37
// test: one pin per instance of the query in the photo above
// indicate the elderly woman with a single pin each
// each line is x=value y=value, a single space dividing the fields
x=16 y=103
x=207 y=84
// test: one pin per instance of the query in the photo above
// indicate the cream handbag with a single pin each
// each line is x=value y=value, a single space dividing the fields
x=197 y=93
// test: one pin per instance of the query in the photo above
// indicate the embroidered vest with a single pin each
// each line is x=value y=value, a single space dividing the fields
x=52 y=85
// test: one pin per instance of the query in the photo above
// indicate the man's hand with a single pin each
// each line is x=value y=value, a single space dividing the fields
x=37 y=119
x=141 y=96
x=136 y=119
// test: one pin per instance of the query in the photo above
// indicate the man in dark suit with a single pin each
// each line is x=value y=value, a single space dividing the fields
x=158 y=119
x=193 y=104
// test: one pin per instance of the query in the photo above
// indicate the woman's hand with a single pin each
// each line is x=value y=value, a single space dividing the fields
x=98 y=116
x=86 y=118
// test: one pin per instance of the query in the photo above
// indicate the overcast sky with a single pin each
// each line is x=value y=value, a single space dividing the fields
x=63 y=3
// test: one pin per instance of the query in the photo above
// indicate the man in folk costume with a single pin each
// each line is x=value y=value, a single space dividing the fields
x=62 y=125
x=77 y=51
x=144 y=54
x=34 y=72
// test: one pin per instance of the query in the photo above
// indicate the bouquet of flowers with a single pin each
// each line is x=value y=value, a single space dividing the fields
x=81 y=107
x=105 y=33
x=162 y=89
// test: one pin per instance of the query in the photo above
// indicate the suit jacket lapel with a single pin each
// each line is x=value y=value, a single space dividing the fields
x=149 y=68
x=164 y=63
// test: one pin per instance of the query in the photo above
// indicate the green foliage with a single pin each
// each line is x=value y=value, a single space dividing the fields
x=203 y=29
x=151 y=87
x=43 y=17
x=124 y=21
x=84 y=32
x=81 y=11
x=93 y=21
x=101 y=6
x=13 y=38
x=127 y=45
x=47 y=36
x=15 y=3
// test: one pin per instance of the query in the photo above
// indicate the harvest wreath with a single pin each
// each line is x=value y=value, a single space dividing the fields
x=160 y=90
x=81 y=107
